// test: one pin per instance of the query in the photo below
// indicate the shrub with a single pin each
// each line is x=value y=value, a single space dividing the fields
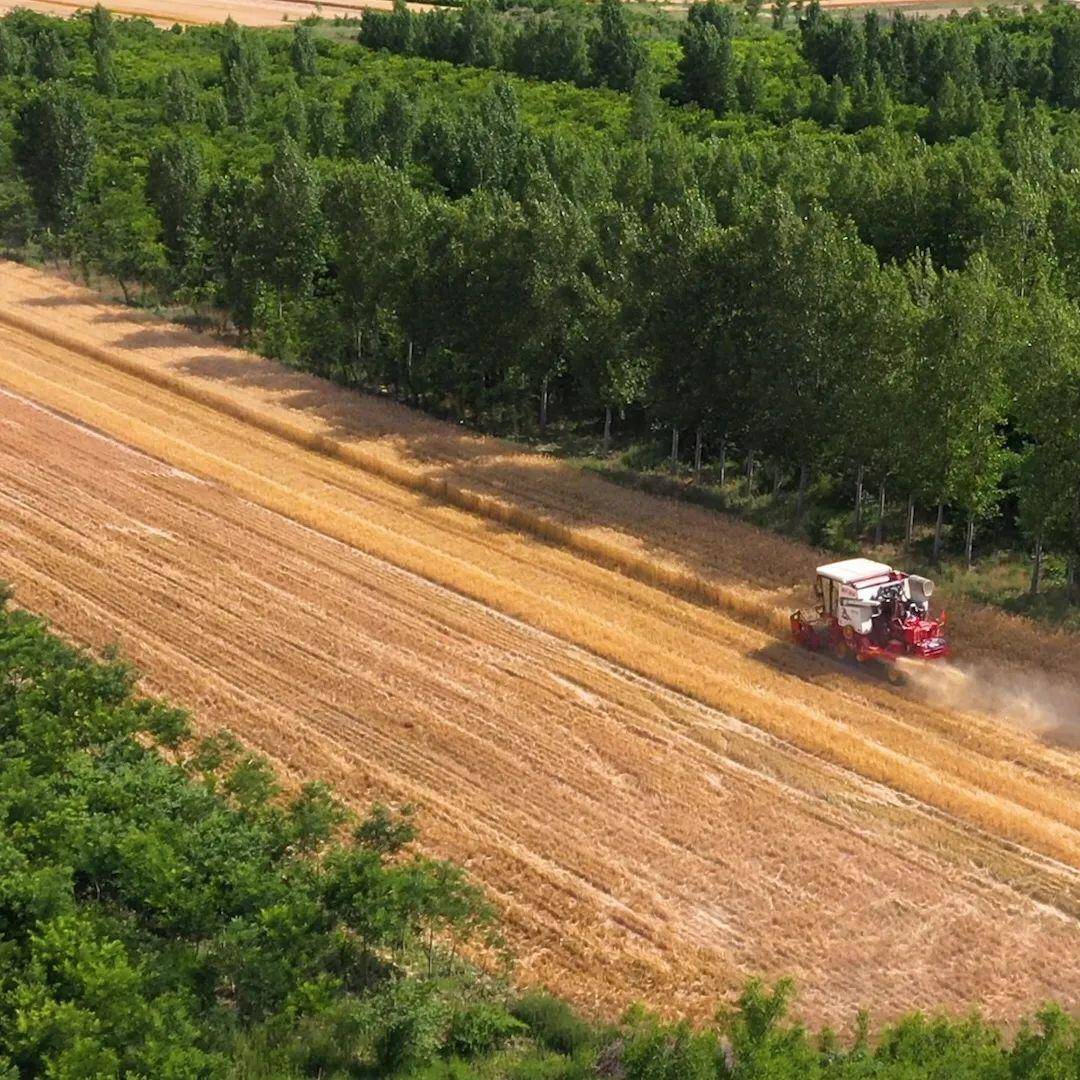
x=553 y=1023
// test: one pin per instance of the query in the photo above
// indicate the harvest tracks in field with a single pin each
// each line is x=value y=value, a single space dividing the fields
x=608 y=815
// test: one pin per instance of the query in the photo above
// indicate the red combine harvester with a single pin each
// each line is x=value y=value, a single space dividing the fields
x=870 y=611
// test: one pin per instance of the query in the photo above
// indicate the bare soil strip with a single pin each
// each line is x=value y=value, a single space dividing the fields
x=615 y=800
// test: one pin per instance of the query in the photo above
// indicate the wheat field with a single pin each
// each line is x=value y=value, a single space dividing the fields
x=587 y=689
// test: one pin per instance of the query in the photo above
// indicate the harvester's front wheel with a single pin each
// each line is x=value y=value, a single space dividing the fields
x=895 y=675
x=841 y=650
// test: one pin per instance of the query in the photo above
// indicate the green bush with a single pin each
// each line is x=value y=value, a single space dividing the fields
x=482 y=1028
x=553 y=1023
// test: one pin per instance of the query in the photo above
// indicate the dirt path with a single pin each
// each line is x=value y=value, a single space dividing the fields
x=610 y=815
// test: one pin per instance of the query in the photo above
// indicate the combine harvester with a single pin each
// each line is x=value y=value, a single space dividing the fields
x=870 y=611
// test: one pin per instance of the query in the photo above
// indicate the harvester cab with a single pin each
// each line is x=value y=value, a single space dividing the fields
x=870 y=611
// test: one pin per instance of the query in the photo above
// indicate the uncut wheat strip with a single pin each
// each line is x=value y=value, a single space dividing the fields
x=953 y=802
x=382 y=416
x=605 y=552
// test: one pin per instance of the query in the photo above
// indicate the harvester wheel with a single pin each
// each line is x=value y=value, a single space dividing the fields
x=895 y=675
x=840 y=649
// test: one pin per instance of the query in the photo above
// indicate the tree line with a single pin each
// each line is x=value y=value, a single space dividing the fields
x=168 y=910
x=872 y=308
x=989 y=53
x=569 y=42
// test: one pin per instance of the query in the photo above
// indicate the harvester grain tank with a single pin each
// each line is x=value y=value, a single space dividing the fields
x=869 y=611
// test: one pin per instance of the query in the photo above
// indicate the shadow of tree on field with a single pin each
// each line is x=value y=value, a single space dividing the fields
x=53 y=301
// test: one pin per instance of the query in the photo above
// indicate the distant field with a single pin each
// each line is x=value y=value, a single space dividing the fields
x=190 y=12
x=275 y=12
x=662 y=795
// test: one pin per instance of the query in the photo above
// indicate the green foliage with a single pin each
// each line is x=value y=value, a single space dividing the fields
x=652 y=1050
x=14 y=56
x=553 y=1024
x=707 y=68
x=240 y=72
x=176 y=188
x=50 y=55
x=181 y=98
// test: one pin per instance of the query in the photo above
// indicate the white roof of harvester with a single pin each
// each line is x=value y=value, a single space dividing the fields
x=849 y=570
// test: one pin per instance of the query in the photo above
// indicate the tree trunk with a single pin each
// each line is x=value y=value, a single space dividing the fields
x=969 y=539
x=879 y=529
x=936 y=557
x=1036 y=569
x=543 y=405
x=698 y=435
x=1070 y=579
x=858 y=501
x=408 y=371
x=804 y=480
x=125 y=290
x=750 y=473
x=723 y=461
x=909 y=531
x=674 y=447
x=607 y=428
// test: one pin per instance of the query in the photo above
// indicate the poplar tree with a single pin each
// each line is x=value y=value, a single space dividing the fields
x=54 y=149
x=181 y=98
x=102 y=47
x=176 y=188
x=616 y=54
x=302 y=51
x=13 y=53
